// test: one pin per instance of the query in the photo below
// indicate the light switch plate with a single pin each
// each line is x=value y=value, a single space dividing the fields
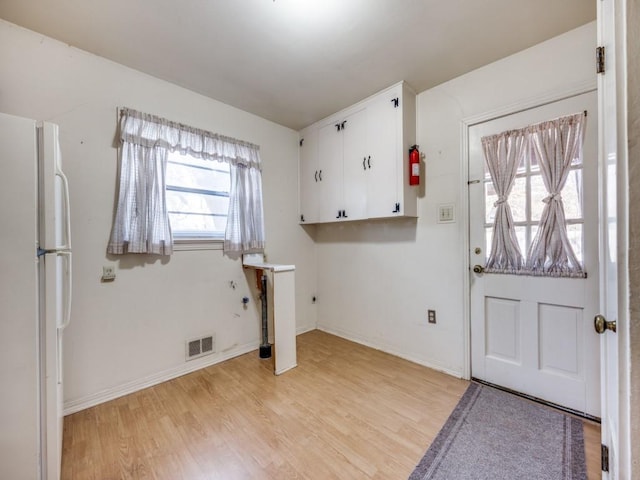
x=446 y=213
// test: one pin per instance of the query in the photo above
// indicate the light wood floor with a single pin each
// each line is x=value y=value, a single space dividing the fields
x=346 y=412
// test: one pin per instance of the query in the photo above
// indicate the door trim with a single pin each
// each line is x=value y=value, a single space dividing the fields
x=466 y=124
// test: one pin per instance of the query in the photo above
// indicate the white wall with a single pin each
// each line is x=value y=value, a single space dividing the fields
x=376 y=280
x=133 y=330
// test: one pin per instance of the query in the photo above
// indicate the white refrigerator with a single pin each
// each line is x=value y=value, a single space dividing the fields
x=35 y=298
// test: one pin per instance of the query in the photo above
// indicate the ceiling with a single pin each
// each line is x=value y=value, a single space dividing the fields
x=297 y=61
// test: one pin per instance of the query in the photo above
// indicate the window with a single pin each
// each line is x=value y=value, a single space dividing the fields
x=527 y=173
x=197 y=195
x=163 y=195
x=526 y=202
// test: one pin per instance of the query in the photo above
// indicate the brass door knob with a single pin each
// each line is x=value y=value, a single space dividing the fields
x=601 y=325
x=478 y=269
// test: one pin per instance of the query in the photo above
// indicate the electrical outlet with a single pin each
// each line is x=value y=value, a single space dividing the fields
x=108 y=273
x=431 y=316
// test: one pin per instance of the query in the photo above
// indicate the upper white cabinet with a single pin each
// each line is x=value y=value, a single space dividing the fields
x=354 y=164
x=342 y=144
x=308 y=182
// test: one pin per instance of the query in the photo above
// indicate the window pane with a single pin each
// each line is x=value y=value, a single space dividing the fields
x=572 y=195
x=532 y=235
x=521 y=235
x=577 y=160
x=206 y=178
x=187 y=202
x=538 y=193
x=535 y=167
x=197 y=225
x=490 y=197
x=518 y=200
x=574 y=233
x=196 y=208
x=488 y=233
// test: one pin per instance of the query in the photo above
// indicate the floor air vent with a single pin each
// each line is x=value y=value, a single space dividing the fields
x=199 y=347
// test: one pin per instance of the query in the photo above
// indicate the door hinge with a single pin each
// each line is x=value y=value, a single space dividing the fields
x=600 y=60
x=604 y=457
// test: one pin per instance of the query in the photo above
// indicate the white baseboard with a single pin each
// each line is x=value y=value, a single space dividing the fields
x=388 y=349
x=73 y=406
x=94 y=399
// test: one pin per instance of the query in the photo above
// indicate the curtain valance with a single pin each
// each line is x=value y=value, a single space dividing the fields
x=150 y=131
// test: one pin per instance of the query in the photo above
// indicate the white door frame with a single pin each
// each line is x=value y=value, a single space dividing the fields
x=612 y=33
x=466 y=124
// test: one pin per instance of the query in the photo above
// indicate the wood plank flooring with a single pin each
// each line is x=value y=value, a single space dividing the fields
x=346 y=412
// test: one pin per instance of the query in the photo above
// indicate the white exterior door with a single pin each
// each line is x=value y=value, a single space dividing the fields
x=531 y=334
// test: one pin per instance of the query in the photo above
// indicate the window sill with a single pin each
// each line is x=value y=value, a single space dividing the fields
x=198 y=244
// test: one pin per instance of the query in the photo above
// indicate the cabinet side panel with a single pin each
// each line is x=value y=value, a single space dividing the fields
x=410 y=193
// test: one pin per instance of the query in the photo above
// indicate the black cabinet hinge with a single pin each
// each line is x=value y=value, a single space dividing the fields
x=600 y=57
x=302 y=218
x=396 y=102
x=396 y=208
x=301 y=141
x=340 y=126
x=604 y=457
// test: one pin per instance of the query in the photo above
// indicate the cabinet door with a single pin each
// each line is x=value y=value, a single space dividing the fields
x=330 y=174
x=385 y=147
x=355 y=166
x=308 y=183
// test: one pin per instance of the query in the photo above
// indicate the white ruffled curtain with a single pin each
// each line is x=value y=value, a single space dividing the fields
x=245 y=224
x=141 y=223
x=503 y=154
x=555 y=145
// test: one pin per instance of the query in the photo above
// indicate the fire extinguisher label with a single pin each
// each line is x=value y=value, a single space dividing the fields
x=415 y=170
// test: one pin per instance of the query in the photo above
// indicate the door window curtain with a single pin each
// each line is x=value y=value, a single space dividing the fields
x=555 y=145
x=503 y=154
x=141 y=222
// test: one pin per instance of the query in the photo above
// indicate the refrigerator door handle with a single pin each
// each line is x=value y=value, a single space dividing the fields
x=67 y=210
x=67 y=288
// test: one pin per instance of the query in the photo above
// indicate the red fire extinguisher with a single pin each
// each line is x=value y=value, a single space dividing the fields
x=414 y=165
